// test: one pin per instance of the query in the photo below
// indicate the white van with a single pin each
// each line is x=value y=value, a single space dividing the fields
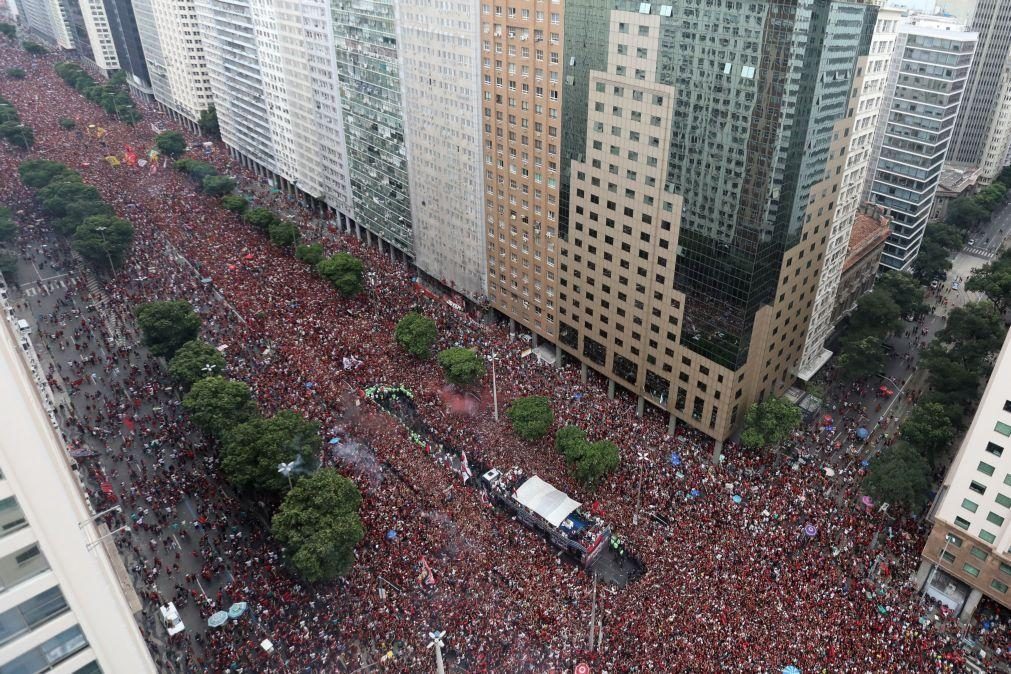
x=23 y=327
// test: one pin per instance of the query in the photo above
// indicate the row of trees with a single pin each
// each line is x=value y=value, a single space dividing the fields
x=957 y=360
x=317 y=521
x=12 y=129
x=210 y=182
x=878 y=316
x=112 y=96
x=78 y=211
x=8 y=257
x=33 y=48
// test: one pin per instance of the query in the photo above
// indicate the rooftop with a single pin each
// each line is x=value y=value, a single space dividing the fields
x=869 y=231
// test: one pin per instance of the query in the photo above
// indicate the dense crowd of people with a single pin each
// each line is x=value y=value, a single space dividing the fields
x=731 y=584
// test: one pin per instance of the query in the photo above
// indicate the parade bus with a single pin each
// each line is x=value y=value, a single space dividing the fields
x=550 y=511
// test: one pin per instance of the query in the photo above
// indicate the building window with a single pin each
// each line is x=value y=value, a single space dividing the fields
x=978 y=553
x=994 y=448
x=969 y=505
x=987 y=536
x=999 y=586
x=994 y=518
x=947 y=556
x=985 y=468
x=977 y=487
x=1003 y=429
x=1007 y=405
x=21 y=565
x=962 y=523
x=47 y=654
x=970 y=569
x=1003 y=500
x=11 y=517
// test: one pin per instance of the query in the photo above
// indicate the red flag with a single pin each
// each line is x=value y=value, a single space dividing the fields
x=128 y=422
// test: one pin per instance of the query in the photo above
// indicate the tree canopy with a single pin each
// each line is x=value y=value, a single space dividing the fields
x=216 y=404
x=234 y=203
x=344 y=272
x=589 y=460
x=900 y=476
x=928 y=429
x=861 y=358
x=282 y=233
x=196 y=169
x=37 y=173
x=8 y=228
x=876 y=314
x=531 y=416
x=167 y=326
x=251 y=452
x=904 y=291
x=994 y=280
x=462 y=366
x=319 y=526
x=770 y=422
x=209 y=121
x=194 y=361
x=261 y=218
x=103 y=240
x=416 y=333
x=310 y=253
x=217 y=186
x=171 y=143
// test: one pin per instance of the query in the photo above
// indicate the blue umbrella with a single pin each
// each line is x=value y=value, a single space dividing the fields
x=218 y=619
x=335 y=441
x=737 y=498
x=791 y=669
x=862 y=433
x=694 y=493
x=391 y=534
x=675 y=459
x=865 y=463
x=237 y=609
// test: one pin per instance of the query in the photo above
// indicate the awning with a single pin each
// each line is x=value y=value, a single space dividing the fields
x=537 y=495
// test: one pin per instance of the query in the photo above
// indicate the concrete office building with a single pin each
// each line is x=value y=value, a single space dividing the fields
x=983 y=129
x=440 y=80
x=92 y=35
x=129 y=49
x=927 y=78
x=967 y=553
x=699 y=212
x=521 y=71
x=48 y=19
x=62 y=603
x=176 y=62
x=869 y=89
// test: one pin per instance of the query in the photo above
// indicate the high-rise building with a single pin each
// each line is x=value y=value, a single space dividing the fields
x=521 y=71
x=982 y=131
x=926 y=82
x=48 y=19
x=129 y=50
x=62 y=584
x=967 y=553
x=440 y=79
x=869 y=90
x=92 y=34
x=701 y=190
x=177 y=65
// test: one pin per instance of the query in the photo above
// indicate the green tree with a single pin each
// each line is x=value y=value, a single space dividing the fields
x=9 y=267
x=929 y=429
x=198 y=170
x=344 y=272
x=283 y=233
x=167 y=326
x=8 y=30
x=234 y=203
x=195 y=360
x=965 y=213
x=209 y=121
x=218 y=186
x=994 y=281
x=861 y=358
x=953 y=384
x=251 y=452
x=217 y=405
x=18 y=134
x=900 y=476
x=416 y=333
x=933 y=259
x=975 y=331
x=531 y=416
x=571 y=442
x=319 y=526
x=462 y=366
x=16 y=73
x=37 y=173
x=33 y=48
x=8 y=228
x=876 y=314
x=261 y=218
x=598 y=459
x=58 y=195
x=171 y=143
x=67 y=124
x=770 y=422
x=103 y=240
x=904 y=291
x=310 y=254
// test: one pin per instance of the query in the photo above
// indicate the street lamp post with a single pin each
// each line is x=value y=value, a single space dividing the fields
x=105 y=245
x=643 y=457
x=436 y=643
x=494 y=385
x=286 y=469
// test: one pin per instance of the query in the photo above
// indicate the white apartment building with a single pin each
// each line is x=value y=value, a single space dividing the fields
x=926 y=83
x=48 y=18
x=62 y=603
x=441 y=93
x=968 y=552
x=865 y=100
x=102 y=49
x=170 y=34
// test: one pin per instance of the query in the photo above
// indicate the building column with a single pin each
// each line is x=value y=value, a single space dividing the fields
x=534 y=341
x=923 y=573
x=512 y=329
x=640 y=406
x=393 y=256
x=672 y=424
x=717 y=451
x=970 y=605
x=610 y=389
x=582 y=372
x=558 y=355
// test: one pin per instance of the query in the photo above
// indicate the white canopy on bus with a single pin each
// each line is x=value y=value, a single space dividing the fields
x=553 y=505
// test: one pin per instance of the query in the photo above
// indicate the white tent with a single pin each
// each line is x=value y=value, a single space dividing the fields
x=551 y=504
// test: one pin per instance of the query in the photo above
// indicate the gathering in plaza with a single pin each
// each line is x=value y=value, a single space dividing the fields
x=753 y=563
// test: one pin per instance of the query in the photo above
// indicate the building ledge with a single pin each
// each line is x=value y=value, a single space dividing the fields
x=806 y=373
